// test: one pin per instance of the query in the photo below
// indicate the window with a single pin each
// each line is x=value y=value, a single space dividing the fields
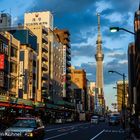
x=13 y=52
x=22 y=56
x=13 y=83
x=13 y=67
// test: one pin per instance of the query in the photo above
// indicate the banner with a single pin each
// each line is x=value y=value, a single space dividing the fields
x=1 y=61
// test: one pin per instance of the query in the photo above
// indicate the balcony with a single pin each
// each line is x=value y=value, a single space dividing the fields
x=44 y=57
x=68 y=57
x=45 y=31
x=14 y=59
x=44 y=47
x=68 y=70
x=68 y=63
x=44 y=66
x=44 y=85
x=44 y=76
x=68 y=50
x=68 y=76
x=44 y=38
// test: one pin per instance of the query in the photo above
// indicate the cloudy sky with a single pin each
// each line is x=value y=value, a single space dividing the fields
x=79 y=17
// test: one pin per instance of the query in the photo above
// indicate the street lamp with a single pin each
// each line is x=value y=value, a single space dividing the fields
x=116 y=29
x=123 y=100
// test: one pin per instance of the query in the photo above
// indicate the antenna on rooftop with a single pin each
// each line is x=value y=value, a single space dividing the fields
x=2 y=11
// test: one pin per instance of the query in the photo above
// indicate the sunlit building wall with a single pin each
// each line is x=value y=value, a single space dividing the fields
x=27 y=88
x=120 y=94
x=64 y=38
x=41 y=24
x=79 y=82
x=9 y=64
x=91 y=96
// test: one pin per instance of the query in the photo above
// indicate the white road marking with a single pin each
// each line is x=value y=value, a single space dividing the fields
x=65 y=127
x=56 y=136
x=114 y=131
x=73 y=131
x=97 y=135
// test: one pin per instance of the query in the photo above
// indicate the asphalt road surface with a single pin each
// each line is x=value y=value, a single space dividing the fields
x=84 y=131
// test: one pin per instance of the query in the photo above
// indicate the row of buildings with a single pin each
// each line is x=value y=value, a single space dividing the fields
x=36 y=73
x=132 y=88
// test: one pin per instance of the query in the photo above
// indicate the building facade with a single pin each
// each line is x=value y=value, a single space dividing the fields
x=64 y=38
x=137 y=60
x=79 y=88
x=120 y=96
x=131 y=74
x=27 y=63
x=41 y=24
x=91 y=97
x=9 y=53
x=5 y=20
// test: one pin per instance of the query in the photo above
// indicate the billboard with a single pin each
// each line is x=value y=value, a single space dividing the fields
x=1 y=61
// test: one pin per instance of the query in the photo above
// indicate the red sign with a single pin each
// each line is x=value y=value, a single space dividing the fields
x=1 y=61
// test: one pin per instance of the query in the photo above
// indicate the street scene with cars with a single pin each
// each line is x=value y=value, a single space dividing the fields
x=70 y=70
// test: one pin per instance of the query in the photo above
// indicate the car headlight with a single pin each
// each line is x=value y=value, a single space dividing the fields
x=29 y=134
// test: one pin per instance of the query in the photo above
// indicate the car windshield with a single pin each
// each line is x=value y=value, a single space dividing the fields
x=94 y=117
x=113 y=118
x=28 y=123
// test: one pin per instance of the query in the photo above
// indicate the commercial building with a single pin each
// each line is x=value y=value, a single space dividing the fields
x=27 y=88
x=41 y=24
x=136 y=92
x=120 y=92
x=131 y=75
x=9 y=60
x=91 y=97
x=64 y=38
x=57 y=82
x=5 y=20
x=79 y=88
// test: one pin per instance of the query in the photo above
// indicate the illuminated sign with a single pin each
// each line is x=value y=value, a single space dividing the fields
x=21 y=68
x=1 y=61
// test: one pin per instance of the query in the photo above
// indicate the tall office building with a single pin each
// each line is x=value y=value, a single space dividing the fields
x=79 y=87
x=64 y=39
x=91 y=97
x=137 y=60
x=99 y=56
x=131 y=73
x=120 y=95
x=27 y=88
x=41 y=24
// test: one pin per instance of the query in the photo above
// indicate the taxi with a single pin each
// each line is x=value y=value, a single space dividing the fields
x=25 y=128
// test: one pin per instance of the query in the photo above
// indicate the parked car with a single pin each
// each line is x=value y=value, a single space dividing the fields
x=25 y=128
x=95 y=119
x=101 y=118
x=114 y=120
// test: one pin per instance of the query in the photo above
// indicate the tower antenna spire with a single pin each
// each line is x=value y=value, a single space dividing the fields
x=99 y=32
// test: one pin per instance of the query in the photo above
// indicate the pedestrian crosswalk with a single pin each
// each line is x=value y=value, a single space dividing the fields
x=114 y=131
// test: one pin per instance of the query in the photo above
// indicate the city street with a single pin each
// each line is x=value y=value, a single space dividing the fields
x=84 y=131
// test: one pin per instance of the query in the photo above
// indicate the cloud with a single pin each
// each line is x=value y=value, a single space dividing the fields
x=102 y=5
x=114 y=17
